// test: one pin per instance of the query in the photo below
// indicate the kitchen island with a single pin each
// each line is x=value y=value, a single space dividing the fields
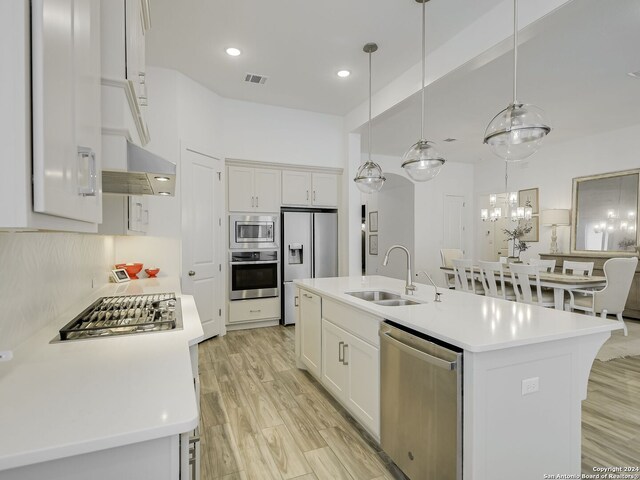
x=103 y=408
x=525 y=369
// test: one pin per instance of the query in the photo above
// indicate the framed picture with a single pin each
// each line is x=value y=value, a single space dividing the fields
x=373 y=244
x=373 y=221
x=534 y=234
x=120 y=275
x=529 y=197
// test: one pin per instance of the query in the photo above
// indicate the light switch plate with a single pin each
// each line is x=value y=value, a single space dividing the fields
x=530 y=385
x=6 y=355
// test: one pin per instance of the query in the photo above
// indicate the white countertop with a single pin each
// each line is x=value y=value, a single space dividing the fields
x=64 y=399
x=472 y=322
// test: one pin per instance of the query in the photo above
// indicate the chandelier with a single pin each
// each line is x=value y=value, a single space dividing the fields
x=507 y=199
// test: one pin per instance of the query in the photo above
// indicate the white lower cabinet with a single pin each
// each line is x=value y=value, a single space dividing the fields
x=310 y=311
x=351 y=371
x=254 y=310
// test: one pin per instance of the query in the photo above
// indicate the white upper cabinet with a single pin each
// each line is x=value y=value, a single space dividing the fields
x=309 y=189
x=253 y=189
x=66 y=108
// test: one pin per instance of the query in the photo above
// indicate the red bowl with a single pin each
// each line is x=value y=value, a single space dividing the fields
x=132 y=269
x=151 y=272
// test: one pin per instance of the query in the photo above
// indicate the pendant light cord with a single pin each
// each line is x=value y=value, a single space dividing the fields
x=369 y=107
x=424 y=36
x=515 y=51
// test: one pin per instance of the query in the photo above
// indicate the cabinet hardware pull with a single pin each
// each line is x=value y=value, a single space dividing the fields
x=252 y=202
x=255 y=311
x=257 y=202
x=344 y=356
x=307 y=195
x=86 y=154
x=191 y=273
x=295 y=301
x=341 y=352
x=314 y=195
x=306 y=295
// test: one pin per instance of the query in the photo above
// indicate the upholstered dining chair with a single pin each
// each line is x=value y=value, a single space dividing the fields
x=547 y=265
x=526 y=285
x=577 y=268
x=492 y=278
x=447 y=255
x=464 y=277
x=613 y=297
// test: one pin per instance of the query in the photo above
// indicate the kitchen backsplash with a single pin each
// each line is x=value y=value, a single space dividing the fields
x=42 y=274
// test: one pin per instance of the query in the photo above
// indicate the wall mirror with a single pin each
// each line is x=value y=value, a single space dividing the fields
x=605 y=213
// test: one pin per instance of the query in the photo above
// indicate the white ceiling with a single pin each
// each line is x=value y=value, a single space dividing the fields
x=574 y=67
x=299 y=45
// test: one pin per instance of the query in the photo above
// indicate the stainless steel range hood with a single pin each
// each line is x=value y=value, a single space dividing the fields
x=145 y=174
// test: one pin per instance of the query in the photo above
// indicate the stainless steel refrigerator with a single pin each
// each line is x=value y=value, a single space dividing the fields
x=309 y=250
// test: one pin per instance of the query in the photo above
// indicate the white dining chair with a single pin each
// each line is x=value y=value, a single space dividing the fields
x=464 y=276
x=547 y=265
x=612 y=298
x=577 y=268
x=492 y=278
x=447 y=255
x=526 y=285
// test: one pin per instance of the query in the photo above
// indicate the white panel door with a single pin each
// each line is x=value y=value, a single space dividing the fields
x=454 y=227
x=66 y=109
x=266 y=190
x=311 y=331
x=296 y=188
x=334 y=370
x=325 y=190
x=240 y=189
x=202 y=209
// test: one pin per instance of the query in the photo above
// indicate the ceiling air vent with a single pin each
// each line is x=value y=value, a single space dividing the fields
x=255 y=78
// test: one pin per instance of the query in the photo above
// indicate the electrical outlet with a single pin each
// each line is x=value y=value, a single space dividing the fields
x=530 y=385
x=6 y=356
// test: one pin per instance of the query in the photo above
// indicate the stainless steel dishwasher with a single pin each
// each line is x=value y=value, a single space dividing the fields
x=421 y=404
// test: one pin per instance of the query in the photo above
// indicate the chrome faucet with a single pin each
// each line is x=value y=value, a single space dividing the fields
x=437 y=297
x=409 y=287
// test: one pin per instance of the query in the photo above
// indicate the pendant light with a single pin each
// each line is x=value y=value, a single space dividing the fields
x=422 y=161
x=517 y=131
x=369 y=178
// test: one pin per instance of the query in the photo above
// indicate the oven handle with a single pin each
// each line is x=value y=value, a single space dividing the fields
x=259 y=262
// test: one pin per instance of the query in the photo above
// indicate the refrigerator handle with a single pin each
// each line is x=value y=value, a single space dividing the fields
x=312 y=245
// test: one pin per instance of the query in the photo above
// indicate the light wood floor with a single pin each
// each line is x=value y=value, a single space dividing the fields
x=264 y=418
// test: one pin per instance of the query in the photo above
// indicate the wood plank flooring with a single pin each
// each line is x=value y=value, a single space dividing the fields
x=262 y=418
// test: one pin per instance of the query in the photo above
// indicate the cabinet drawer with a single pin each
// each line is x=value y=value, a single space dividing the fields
x=359 y=323
x=251 y=310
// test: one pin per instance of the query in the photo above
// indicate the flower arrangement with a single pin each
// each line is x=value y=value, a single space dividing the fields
x=515 y=237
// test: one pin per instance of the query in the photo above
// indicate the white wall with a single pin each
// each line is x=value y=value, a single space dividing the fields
x=454 y=179
x=43 y=274
x=552 y=170
x=254 y=131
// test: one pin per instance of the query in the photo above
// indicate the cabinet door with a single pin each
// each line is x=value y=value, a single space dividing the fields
x=311 y=331
x=135 y=213
x=266 y=190
x=66 y=109
x=325 y=190
x=240 y=189
x=334 y=370
x=296 y=188
x=363 y=384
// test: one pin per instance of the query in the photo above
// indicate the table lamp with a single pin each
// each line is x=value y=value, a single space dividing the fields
x=555 y=217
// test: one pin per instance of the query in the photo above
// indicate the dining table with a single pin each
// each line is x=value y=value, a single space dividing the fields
x=559 y=282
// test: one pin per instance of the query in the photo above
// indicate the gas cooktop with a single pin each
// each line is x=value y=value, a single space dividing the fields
x=125 y=315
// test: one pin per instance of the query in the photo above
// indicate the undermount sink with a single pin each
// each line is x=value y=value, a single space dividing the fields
x=374 y=295
x=386 y=299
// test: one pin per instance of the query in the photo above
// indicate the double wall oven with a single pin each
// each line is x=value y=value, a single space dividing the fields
x=254 y=262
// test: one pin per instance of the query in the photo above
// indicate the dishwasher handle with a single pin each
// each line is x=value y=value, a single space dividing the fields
x=435 y=361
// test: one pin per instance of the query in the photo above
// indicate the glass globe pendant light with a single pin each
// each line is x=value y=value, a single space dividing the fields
x=422 y=161
x=517 y=131
x=369 y=178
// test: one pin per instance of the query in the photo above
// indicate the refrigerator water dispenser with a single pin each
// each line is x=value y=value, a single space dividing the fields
x=295 y=256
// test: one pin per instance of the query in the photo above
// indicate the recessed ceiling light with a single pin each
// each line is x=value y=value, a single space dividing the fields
x=163 y=179
x=233 y=52
x=164 y=193
x=449 y=140
x=634 y=74
x=344 y=73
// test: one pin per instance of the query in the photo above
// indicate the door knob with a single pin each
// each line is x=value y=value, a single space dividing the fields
x=191 y=273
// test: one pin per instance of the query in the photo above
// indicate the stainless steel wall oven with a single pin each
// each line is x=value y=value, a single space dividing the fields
x=254 y=274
